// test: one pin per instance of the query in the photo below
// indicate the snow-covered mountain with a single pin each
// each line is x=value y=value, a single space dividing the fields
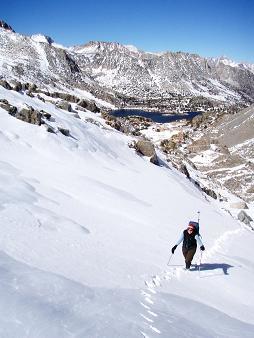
x=86 y=231
x=37 y=59
x=123 y=71
x=142 y=74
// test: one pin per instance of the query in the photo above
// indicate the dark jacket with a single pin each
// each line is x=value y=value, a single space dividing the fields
x=189 y=240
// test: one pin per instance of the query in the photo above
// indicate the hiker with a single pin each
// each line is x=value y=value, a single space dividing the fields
x=189 y=237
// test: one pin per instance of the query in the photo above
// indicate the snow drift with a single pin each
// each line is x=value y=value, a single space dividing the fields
x=86 y=231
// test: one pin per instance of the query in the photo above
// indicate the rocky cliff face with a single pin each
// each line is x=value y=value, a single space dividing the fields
x=111 y=70
x=5 y=26
x=37 y=59
x=136 y=73
x=224 y=151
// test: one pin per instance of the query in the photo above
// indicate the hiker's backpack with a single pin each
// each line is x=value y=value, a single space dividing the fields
x=196 y=225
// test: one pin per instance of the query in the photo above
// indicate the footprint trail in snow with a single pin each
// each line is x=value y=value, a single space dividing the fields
x=148 y=294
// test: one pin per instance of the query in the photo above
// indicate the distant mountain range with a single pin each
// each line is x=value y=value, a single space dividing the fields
x=117 y=72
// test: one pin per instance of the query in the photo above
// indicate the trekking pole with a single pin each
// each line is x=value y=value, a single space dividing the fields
x=198 y=216
x=199 y=267
x=169 y=259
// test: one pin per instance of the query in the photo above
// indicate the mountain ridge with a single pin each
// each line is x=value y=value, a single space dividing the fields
x=124 y=71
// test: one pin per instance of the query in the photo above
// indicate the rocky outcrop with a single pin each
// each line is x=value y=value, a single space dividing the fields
x=209 y=192
x=244 y=217
x=12 y=110
x=146 y=148
x=202 y=144
x=168 y=146
x=4 y=25
x=64 y=131
x=17 y=86
x=89 y=106
x=4 y=104
x=63 y=96
x=50 y=129
x=72 y=64
x=131 y=125
x=29 y=115
x=184 y=170
x=250 y=190
x=64 y=105
x=46 y=115
x=5 y=84
x=112 y=121
x=225 y=151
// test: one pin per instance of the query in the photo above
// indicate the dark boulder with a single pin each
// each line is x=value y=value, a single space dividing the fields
x=12 y=110
x=5 y=84
x=4 y=101
x=17 y=86
x=25 y=86
x=184 y=170
x=46 y=115
x=40 y=98
x=4 y=106
x=89 y=106
x=50 y=129
x=244 y=217
x=32 y=87
x=209 y=192
x=64 y=131
x=146 y=148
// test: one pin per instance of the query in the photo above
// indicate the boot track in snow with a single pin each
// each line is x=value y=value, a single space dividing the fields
x=148 y=294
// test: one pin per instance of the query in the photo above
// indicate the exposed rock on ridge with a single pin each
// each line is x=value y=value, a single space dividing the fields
x=121 y=75
x=151 y=75
x=4 y=25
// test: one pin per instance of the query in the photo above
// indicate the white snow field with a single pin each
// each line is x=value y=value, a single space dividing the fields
x=86 y=230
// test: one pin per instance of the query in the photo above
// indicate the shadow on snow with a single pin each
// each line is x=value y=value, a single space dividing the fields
x=215 y=266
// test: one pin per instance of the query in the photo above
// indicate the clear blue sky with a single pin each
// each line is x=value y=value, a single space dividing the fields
x=209 y=28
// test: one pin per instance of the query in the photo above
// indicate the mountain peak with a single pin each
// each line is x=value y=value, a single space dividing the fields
x=4 y=25
x=42 y=38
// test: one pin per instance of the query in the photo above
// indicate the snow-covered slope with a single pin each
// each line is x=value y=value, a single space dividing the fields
x=86 y=231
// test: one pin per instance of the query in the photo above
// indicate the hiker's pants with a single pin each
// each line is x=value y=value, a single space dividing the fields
x=188 y=255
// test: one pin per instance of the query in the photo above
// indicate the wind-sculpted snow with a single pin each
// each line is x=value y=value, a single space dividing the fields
x=31 y=298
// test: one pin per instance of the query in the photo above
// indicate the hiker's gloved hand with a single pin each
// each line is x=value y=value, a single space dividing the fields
x=173 y=249
x=202 y=248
